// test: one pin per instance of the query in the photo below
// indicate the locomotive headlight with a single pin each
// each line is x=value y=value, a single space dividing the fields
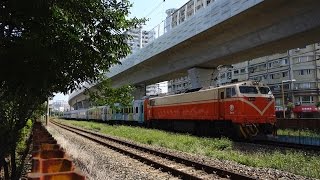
x=251 y=98
x=255 y=83
x=269 y=98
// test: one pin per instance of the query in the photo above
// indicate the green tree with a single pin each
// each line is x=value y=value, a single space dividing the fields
x=39 y=112
x=104 y=94
x=54 y=46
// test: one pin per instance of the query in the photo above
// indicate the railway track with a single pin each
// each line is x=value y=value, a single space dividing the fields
x=288 y=145
x=177 y=166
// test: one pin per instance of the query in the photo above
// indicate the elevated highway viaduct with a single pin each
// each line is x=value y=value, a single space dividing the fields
x=225 y=32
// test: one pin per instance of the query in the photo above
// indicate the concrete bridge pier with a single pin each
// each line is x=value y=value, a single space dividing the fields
x=139 y=91
x=201 y=77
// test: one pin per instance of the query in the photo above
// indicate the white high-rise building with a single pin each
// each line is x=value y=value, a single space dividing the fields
x=60 y=105
x=153 y=90
x=140 y=38
x=168 y=20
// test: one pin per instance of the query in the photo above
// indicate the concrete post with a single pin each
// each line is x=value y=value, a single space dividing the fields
x=47 y=114
x=140 y=91
x=200 y=77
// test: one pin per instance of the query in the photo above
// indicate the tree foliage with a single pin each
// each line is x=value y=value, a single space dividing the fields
x=57 y=45
x=103 y=94
x=54 y=46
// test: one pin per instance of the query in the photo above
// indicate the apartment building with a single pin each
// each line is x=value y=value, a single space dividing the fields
x=140 y=38
x=179 y=85
x=153 y=90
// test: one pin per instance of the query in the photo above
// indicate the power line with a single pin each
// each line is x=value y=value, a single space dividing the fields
x=154 y=8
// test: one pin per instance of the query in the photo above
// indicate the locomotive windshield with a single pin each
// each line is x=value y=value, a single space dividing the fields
x=264 y=90
x=248 y=89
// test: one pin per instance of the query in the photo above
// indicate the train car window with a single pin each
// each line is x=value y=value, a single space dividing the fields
x=264 y=90
x=248 y=89
x=137 y=110
x=230 y=92
x=221 y=95
x=233 y=91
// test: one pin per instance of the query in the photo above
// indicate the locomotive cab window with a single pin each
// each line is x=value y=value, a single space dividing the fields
x=248 y=90
x=230 y=92
x=264 y=90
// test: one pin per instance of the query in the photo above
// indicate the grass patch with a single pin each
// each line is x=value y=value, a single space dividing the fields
x=220 y=148
x=306 y=133
x=25 y=132
x=22 y=142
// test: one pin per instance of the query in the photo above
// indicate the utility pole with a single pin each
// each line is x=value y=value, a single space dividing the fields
x=47 y=115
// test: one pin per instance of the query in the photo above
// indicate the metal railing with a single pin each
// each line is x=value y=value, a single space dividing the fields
x=178 y=16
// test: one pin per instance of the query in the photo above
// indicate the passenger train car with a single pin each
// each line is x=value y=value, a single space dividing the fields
x=242 y=110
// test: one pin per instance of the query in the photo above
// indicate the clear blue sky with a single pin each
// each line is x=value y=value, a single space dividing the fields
x=152 y=9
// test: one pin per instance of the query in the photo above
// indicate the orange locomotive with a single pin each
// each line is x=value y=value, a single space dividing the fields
x=242 y=110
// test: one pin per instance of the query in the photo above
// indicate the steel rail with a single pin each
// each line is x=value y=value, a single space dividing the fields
x=295 y=146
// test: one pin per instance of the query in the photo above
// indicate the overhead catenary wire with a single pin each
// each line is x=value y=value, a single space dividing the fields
x=155 y=8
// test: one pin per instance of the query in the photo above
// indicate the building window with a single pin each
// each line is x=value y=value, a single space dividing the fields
x=304 y=72
x=271 y=76
x=286 y=86
x=229 y=75
x=306 y=99
x=275 y=76
x=284 y=61
x=275 y=88
x=265 y=76
x=306 y=85
x=279 y=102
x=303 y=59
x=285 y=74
x=262 y=67
x=251 y=69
